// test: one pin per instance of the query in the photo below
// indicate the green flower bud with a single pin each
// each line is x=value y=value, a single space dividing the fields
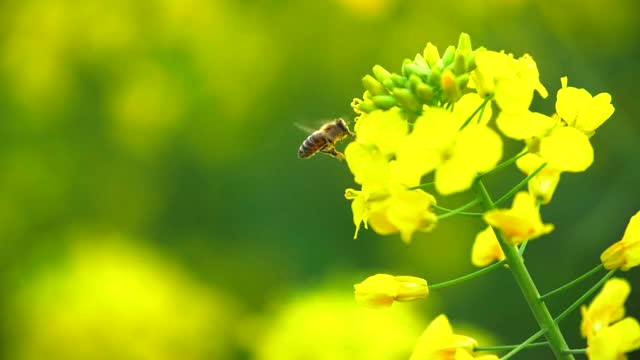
x=459 y=64
x=384 y=101
x=367 y=106
x=464 y=45
x=462 y=81
x=449 y=54
x=449 y=86
x=413 y=69
x=434 y=77
x=406 y=99
x=405 y=72
x=414 y=80
x=431 y=55
x=471 y=58
x=424 y=92
x=381 y=73
x=420 y=61
x=398 y=80
x=373 y=86
x=388 y=83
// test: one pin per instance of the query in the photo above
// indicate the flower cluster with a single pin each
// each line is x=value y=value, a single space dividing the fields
x=609 y=336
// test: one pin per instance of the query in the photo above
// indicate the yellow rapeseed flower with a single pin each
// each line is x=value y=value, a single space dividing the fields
x=511 y=81
x=625 y=253
x=382 y=129
x=544 y=183
x=581 y=110
x=381 y=290
x=520 y=223
x=392 y=210
x=486 y=248
x=457 y=156
x=438 y=342
x=612 y=342
x=606 y=308
x=567 y=147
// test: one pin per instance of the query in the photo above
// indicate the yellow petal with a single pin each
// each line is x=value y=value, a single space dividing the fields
x=567 y=149
x=606 y=308
x=439 y=342
x=359 y=210
x=624 y=254
x=524 y=125
x=569 y=102
x=467 y=105
x=544 y=183
x=613 y=342
x=376 y=291
x=595 y=113
x=454 y=176
x=527 y=70
x=486 y=248
x=513 y=95
x=382 y=129
x=410 y=211
x=367 y=164
x=479 y=147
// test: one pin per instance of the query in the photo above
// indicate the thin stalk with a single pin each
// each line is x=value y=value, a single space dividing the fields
x=506 y=163
x=469 y=276
x=460 y=210
x=584 y=297
x=576 y=351
x=564 y=287
x=422 y=186
x=510 y=347
x=526 y=284
x=523 y=345
x=520 y=185
x=484 y=103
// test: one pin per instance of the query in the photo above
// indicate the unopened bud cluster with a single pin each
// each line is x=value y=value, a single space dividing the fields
x=428 y=79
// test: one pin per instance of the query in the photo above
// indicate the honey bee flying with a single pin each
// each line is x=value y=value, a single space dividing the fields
x=324 y=140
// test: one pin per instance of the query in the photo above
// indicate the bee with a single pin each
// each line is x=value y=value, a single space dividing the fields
x=324 y=140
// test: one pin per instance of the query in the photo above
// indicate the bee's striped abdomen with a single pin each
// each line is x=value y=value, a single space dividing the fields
x=312 y=144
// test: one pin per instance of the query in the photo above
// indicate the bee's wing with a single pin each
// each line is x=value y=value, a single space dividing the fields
x=306 y=129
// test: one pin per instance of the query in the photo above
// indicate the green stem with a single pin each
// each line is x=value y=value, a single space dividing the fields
x=522 y=247
x=576 y=351
x=509 y=347
x=523 y=345
x=422 y=186
x=584 y=297
x=506 y=163
x=460 y=210
x=564 y=287
x=469 y=276
x=526 y=284
x=520 y=185
x=484 y=103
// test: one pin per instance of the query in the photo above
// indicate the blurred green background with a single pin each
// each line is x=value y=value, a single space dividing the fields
x=152 y=206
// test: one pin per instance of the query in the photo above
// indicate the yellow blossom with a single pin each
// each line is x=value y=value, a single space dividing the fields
x=467 y=105
x=381 y=129
x=381 y=290
x=581 y=110
x=520 y=223
x=457 y=156
x=524 y=125
x=511 y=81
x=567 y=147
x=486 y=248
x=544 y=183
x=625 y=253
x=404 y=212
x=438 y=342
x=607 y=307
x=613 y=342
x=367 y=164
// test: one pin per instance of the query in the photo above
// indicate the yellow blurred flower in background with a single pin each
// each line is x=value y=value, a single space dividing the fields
x=329 y=325
x=438 y=342
x=486 y=248
x=111 y=300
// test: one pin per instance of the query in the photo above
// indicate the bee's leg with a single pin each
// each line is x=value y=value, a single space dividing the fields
x=331 y=150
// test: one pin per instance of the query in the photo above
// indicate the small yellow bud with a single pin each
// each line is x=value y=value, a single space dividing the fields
x=373 y=86
x=449 y=85
x=381 y=73
x=381 y=290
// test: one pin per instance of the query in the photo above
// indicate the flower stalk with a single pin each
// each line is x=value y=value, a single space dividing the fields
x=520 y=273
